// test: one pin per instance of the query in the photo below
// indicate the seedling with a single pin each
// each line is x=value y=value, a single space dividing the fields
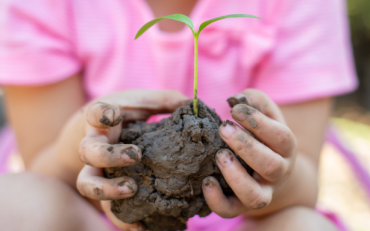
x=184 y=19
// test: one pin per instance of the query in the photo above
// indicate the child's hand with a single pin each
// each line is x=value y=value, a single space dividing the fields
x=100 y=149
x=272 y=160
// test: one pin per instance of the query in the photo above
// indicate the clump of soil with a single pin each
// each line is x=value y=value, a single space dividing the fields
x=178 y=153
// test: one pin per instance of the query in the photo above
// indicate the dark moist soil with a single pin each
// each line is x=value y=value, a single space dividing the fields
x=178 y=153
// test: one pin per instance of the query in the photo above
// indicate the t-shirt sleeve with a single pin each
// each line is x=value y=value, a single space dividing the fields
x=312 y=57
x=36 y=45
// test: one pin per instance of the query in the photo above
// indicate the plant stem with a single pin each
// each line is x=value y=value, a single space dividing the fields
x=195 y=101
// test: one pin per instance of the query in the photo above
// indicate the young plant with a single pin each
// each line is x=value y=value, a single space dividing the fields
x=184 y=19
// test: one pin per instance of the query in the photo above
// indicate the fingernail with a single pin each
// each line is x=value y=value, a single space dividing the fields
x=224 y=158
x=208 y=185
x=227 y=129
x=107 y=118
x=132 y=153
x=109 y=113
x=244 y=112
x=125 y=187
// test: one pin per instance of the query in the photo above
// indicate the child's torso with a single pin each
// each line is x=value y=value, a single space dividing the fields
x=112 y=60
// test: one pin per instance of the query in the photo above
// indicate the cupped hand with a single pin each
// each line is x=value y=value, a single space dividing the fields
x=272 y=157
x=100 y=148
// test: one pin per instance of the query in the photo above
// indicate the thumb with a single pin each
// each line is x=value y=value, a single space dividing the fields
x=154 y=101
x=103 y=115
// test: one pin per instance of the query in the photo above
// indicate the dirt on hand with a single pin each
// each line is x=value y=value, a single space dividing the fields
x=178 y=153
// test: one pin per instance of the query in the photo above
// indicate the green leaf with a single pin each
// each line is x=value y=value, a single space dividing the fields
x=177 y=17
x=206 y=23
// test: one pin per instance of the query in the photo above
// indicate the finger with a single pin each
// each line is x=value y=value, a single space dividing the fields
x=226 y=207
x=252 y=194
x=260 y=101
x=237 y=99
x=103 y=115
x=106 y=205
x=153 y=101
x=92 y=184
x=95 y=150
x=133 y=105
x=274 y=134
x=269 y=164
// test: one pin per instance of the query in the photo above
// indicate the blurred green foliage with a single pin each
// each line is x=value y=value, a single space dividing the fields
x=359 y=16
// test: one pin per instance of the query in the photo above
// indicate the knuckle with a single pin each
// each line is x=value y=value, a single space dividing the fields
x=259 y=201
x=274 y=169
x=284 y=136
x=245 y=147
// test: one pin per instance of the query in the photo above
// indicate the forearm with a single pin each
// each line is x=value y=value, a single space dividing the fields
x=60 y=159
x=300 y=188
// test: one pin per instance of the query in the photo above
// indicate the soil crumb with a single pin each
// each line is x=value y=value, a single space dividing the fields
x=177 y=154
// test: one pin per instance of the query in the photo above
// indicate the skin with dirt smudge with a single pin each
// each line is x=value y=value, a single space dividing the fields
x=131 y=153
x=247 y=112
x=99 y=192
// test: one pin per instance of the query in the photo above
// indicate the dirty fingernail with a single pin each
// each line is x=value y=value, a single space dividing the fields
x=109 y=113
x=132 y=153
x=224 y=158
x=118 y=121
x=125 y=187
x=227 y=129
x=208 y=185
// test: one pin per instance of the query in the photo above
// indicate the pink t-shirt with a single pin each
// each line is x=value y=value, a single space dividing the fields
x=299 y=51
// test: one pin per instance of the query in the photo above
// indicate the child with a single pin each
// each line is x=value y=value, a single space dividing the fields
x=57 y=55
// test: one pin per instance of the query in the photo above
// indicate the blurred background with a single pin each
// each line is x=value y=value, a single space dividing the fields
x=341 y=191
x=355 y=105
